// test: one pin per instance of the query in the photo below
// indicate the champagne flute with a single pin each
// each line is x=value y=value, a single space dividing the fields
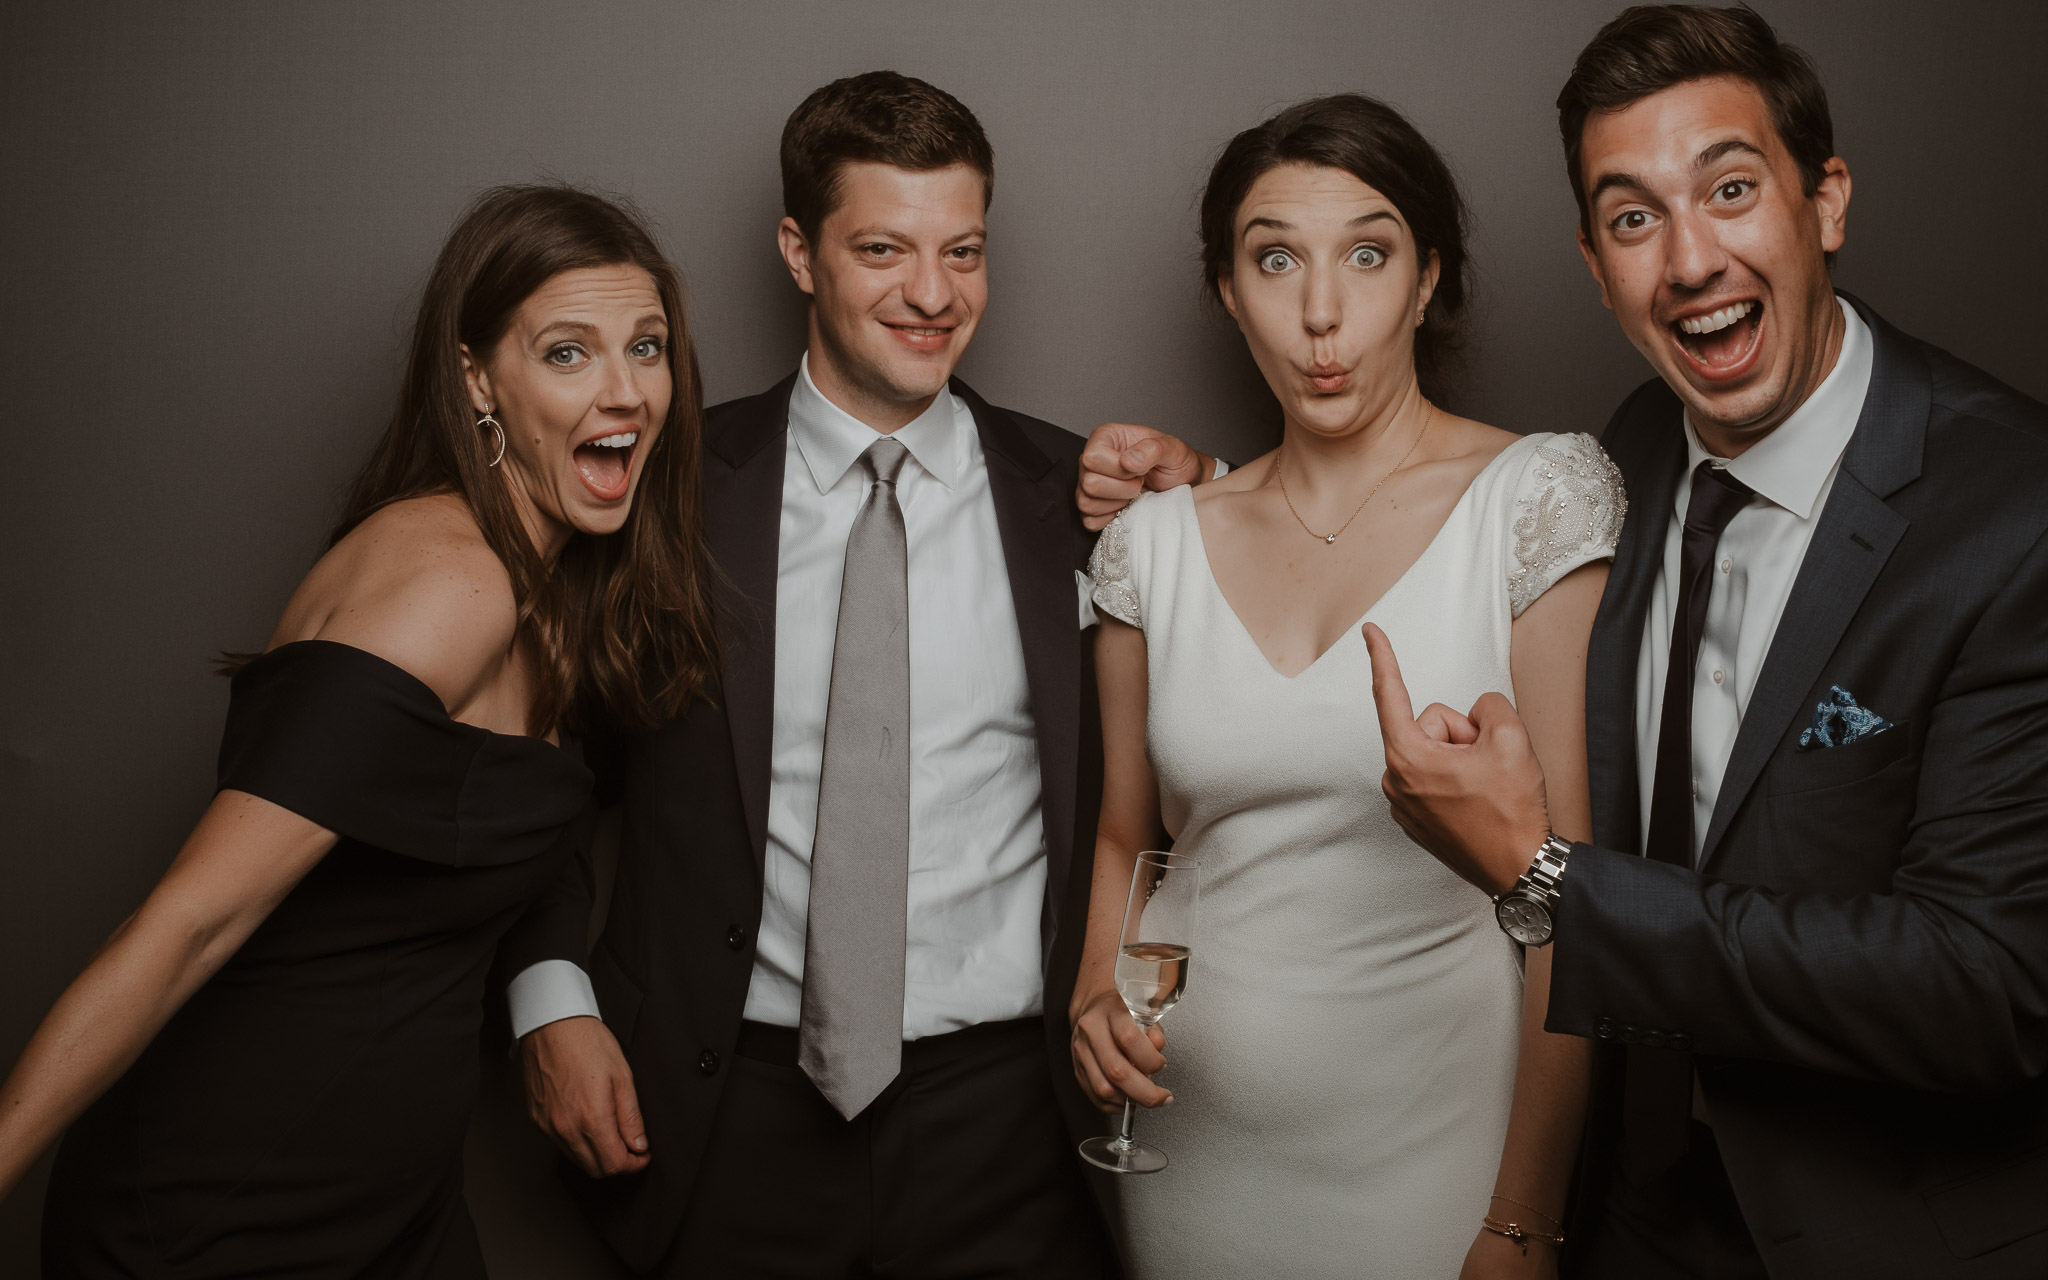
x=1153 y=951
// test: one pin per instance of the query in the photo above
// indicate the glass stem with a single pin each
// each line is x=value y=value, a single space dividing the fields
x=1123 y=1138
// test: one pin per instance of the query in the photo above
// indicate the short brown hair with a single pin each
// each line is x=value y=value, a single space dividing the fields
x=1651 y=48
x=882 y=117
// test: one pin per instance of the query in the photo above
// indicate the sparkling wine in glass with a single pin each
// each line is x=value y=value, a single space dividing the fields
x=1153 y=953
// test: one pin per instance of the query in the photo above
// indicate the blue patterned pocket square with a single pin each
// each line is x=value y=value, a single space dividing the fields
x=1838 y=721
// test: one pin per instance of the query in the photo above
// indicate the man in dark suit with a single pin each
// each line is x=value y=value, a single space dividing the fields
x=1811 y=936
x=1812 y=932
x=824 y=1032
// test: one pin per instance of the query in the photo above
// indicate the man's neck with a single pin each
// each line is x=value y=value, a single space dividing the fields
x=886 y=416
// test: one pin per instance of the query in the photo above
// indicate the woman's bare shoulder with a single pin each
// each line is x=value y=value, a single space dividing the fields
x=416 y=585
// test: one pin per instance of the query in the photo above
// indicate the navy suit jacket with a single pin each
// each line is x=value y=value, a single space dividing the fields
x=1859 y=968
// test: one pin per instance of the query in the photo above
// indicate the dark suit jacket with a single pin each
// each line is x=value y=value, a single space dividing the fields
x=672 y=968
x=1860 y=967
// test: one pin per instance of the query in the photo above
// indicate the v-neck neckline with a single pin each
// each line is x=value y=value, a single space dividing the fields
x=1356 y=624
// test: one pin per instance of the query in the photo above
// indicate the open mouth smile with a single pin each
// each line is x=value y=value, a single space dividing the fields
x=1723 y=344
x=606 y=464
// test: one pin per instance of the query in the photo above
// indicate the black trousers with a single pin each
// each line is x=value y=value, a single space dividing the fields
x=1683 y=1224
x=961 y=1168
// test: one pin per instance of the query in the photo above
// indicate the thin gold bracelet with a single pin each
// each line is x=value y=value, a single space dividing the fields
x=1518 y=1233
x=1530 y=1207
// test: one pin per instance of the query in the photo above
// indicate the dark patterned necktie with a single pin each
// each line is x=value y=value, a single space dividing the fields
x=1658 y=1093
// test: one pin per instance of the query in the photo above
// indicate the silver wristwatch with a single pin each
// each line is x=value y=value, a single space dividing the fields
x=1528 y=912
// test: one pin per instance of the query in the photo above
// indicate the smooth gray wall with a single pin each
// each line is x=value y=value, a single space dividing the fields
x=214 y=219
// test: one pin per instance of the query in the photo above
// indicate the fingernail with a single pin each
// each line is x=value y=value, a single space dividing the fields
x=1168 y=1102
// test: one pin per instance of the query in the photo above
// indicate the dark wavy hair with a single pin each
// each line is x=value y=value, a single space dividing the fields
x=623 y=622
x=1650 y=48
x=1374 y=143
x=880 y=116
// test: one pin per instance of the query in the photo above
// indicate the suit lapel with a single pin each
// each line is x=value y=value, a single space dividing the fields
x=1033 y=518
x=1652 y=449
x=743 y=519
x=1850 y=546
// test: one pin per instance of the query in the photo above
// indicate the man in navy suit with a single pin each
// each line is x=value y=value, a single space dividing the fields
x=1811 y=935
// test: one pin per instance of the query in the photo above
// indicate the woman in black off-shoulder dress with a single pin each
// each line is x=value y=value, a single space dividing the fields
x=282 y=1040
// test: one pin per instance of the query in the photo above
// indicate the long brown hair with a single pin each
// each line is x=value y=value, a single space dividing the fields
x=623 y=622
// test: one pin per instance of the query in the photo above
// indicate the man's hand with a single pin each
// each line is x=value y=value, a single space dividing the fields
x=1467 y=788
x=579 y=1090
x=1123 y=460
x=1113 y=1056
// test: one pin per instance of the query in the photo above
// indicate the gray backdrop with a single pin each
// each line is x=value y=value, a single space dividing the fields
x=214 y=220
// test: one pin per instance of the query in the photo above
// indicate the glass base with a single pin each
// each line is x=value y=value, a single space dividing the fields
x=1122 y=1155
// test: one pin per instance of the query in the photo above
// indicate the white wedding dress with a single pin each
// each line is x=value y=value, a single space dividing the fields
x=1343 y=1060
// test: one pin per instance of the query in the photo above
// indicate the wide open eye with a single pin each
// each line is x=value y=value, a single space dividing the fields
x=1367 y=256
x=1733 y=190
x=1274 y=261
x=647 y=348
x=1633 y=220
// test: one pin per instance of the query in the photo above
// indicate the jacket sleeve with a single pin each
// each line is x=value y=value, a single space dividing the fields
x=1941 y=984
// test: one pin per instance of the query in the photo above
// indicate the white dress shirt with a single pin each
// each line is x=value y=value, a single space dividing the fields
x=1792 y=470
x=977 y=843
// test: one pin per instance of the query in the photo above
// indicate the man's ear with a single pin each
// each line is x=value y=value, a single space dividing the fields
x=480 y=398
x=796 y=253
x=1831 y=199
x=1593 y=265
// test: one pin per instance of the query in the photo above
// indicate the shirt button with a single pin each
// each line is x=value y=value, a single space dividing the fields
x=707 y=1062
x=1719 y=675
x=1726 y=565
x=735 y=937
x=1695 y=788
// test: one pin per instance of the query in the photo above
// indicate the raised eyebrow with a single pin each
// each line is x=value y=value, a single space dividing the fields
x=1615 y=182
x=580 y=328
x=1364 y=218
x=1274 y=224
x=1725 y=148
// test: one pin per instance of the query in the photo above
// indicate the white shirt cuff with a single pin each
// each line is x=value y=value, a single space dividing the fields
x=1222 y=469
x=1086 y=586
x=549 y=992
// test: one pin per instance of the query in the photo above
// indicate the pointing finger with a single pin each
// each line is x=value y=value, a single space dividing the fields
x=1389 y=694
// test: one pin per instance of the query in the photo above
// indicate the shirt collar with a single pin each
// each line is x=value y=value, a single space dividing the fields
x=1791 y=465
x=831 y=440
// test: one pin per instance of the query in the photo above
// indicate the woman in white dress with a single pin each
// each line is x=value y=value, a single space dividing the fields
x=1359 y=1063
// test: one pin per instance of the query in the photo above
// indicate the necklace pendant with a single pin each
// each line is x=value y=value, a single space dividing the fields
x=1329 y=537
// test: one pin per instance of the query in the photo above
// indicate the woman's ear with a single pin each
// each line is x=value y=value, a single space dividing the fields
x=1227 y=291
x=1425 y=286
x=480 y=398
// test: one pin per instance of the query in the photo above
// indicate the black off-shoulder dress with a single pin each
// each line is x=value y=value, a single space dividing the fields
x=303 y=1114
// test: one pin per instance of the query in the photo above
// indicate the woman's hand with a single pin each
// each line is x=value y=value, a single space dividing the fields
x=1495 y=1257
x=1113 y=1055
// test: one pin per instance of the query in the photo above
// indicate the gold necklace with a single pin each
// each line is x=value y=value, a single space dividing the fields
x=1331 y=538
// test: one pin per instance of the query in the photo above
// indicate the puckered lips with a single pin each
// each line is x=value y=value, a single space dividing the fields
x=606 y=464
x=1720 y=343
x=1328 y=379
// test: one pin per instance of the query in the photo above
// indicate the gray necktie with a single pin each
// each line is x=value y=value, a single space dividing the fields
x=851 y=1034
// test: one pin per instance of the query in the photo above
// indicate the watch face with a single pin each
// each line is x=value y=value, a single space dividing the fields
x=1524 y=919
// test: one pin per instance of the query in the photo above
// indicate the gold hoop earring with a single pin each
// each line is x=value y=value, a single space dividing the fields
x=497 y=430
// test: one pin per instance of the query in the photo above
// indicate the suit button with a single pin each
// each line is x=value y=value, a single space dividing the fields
x=1681 y=1042
x=707 y=1062
x=735 y=937
x=1629 y=1035
x=1653 y=1038
x=1604 y=1029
